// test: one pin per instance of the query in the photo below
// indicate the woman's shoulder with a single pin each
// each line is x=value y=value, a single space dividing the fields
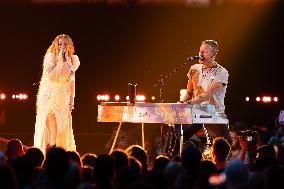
x=49 y=58
x=75 y=58
x=49 y=54
x=76 y=61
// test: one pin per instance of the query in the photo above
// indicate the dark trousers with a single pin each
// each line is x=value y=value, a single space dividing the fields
x=204 y=134
x=214 y=130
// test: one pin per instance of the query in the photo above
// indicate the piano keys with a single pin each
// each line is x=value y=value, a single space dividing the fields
x=168 y=113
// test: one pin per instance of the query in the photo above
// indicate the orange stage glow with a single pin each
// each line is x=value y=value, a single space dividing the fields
x=2 y=96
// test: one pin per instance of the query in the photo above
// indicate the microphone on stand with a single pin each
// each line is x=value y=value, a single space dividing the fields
x=192 y=58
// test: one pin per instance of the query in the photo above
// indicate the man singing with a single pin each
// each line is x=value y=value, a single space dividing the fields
x=207 y=84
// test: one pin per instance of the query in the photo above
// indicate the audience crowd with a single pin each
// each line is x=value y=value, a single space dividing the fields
x=252 y=158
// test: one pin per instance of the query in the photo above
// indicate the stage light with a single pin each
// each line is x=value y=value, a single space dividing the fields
x=20 y=96
x=25 y=96
x=106 y=97
x=98 y=97
x=2 y=96
x=140 y=98
x=266 y=99
x=127 y=98
x=103 y=97
x=247 y=98
x=117 y=97
x=275 y=99
x=257 y=99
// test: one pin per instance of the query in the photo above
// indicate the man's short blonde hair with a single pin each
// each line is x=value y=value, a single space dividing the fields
x=213 y=44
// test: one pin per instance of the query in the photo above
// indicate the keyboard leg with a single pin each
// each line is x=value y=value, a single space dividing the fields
x=208 y=141
x=115 y=138
x=142 y=132
x=181 y=140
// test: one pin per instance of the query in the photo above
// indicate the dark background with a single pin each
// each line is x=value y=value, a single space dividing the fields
x=118 y=44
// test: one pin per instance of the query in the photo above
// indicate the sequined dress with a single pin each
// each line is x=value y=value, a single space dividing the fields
x=57 y=85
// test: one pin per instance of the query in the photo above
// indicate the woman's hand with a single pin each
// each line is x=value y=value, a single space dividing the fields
x=62 y=55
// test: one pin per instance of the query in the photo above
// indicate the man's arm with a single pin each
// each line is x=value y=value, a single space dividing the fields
x=212 y=89
x=189 y=88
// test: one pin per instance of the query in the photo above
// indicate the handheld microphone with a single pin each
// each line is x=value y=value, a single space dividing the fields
x=63 y=56
x=192 y=58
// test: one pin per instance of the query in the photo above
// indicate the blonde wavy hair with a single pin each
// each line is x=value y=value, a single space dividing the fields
x=53 y=48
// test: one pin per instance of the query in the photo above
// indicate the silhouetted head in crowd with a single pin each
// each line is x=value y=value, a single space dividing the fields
x=136 y=165
x=88 y=174
x=8 y=177
x=220 y=150
x=56 y=165
x=206 y=169
x=140 y=185
x=140 y=154
x=190 y=158
x=239 y=126
x=88 y=159
x=74 y=157
x=266 y=151
x=235 y=129
x=35 y=155
x=237 y=174
x=120 y=159
x=172 y=170
x=14 y=148
x=161 y=162
x=272 y=177
x=207 y=166
x=24 y=170
x=130 y=174
x=280 y=156
x=73 y=176
x=104 y=170
x=265 y=157
x=156 y=178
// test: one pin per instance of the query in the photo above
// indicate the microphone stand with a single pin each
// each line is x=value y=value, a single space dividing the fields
x=161 y=82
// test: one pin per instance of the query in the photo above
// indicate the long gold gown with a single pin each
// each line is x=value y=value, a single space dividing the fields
x=56 y=86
